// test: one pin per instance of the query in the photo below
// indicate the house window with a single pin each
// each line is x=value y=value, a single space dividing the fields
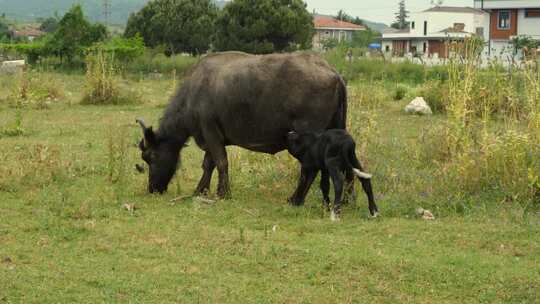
x=387 y=48
x=412 y=25
x=532 y=13
x=425 y=28
x=425 y=48
x=504 y=20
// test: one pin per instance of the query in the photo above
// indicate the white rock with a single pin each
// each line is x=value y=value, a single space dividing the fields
x=418 y=106
x=12 y=67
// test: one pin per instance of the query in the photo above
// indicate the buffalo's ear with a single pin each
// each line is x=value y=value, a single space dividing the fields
x=149 y=135
x=150 y=138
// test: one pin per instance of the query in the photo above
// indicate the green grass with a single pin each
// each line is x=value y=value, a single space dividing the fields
x=65 y=238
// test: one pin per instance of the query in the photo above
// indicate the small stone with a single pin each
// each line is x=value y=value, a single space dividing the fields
x=129 y=207
x=418 y=106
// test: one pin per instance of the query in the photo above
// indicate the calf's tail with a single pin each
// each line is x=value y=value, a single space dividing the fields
x=352 y=162
x=365 y=178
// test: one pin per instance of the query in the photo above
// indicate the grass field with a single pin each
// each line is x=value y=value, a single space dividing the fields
x=65 y=236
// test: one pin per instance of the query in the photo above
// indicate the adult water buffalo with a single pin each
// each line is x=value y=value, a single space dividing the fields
x=244 y=100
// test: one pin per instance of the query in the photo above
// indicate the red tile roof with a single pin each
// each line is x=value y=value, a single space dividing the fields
x=329 y=22
x=29 y=32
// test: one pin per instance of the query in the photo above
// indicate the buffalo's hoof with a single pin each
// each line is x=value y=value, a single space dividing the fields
x=293 y=201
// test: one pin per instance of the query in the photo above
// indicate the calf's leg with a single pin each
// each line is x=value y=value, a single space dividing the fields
x=337 y=180
x=373 y=209
x=325 y=188
x=307 y=176
x=350 y=194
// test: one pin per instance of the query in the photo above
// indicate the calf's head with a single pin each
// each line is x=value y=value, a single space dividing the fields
x=161 y=155
x=299 y=143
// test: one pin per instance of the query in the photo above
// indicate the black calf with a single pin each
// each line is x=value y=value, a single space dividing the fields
x=333 y=153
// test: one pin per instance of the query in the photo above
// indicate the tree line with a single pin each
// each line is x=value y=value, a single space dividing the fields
x=183 y=26
x=196 y=26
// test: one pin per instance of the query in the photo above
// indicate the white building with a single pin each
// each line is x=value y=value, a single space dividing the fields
x=429 y=31
x=508 y=19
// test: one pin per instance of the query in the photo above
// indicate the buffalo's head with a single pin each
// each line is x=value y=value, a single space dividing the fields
x=161 y=155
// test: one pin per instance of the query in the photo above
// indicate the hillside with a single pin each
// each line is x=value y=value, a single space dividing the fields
x=376 y=26
x=29 y=10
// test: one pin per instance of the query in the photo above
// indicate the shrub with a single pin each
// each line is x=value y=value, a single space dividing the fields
x=16 y=129
x=375 y=69
x=155 y=62
x=370 y=95
x=435 y=93
x=123 y=50
x=400 y=92
x=477 y=150
x=34 y=90
x=101 y=84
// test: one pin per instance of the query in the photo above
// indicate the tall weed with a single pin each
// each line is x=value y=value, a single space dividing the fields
x=102 y=86
x=487 y=142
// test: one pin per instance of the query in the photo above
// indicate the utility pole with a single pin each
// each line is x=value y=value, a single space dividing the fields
x=106 y=11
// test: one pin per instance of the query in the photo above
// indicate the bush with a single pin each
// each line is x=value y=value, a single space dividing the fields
x=31 y=51
x=101 y=85
x=30 y=89
x=400 y=92
x=375 y=69
x=156 y=62
x=435 y=93
x=489 y=141
x=123 y=50
x=369 y=95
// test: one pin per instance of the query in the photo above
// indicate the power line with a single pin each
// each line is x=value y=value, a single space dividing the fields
x=106 y=11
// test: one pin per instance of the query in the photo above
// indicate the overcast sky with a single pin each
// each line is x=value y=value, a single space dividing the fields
x=375 y=10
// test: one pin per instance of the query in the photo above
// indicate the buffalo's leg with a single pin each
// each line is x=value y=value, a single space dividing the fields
x=325 y=188
x=307 y=176
x=373 y=209
x=350 y=194
x=222 y=163
x=215 y=145
x=208 y=167
x=337 y=180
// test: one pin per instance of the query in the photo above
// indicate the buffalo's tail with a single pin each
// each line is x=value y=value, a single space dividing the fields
x=340 y=118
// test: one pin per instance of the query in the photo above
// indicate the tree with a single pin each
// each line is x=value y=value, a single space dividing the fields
x=362 y=39
x=264 y=26
x=74 y=34
x=401 y=16
x=4 y=29
x=343 y=16
x=179 y=25
x=50 y=24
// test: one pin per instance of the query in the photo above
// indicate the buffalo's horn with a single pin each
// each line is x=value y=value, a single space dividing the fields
x=139 y=168
x=140 y=121
x=361 y=174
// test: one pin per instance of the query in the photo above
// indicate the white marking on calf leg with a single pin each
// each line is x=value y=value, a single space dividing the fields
x=333 y=216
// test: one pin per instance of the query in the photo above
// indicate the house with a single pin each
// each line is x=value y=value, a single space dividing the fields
x=28 y=33
x=330 y=28
x=429 y=31
x=509 y=19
